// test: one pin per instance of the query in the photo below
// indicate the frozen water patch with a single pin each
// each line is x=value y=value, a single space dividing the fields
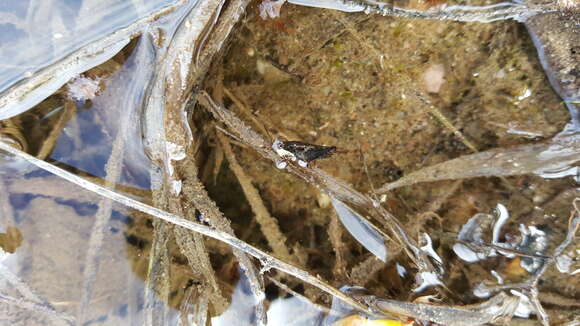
x=83 y=88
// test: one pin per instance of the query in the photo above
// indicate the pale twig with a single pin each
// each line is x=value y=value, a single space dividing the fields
x=34 y=307
x=22 y=287
x=484 y=14
x=113 y=172
x=295 y=294
x=267 y=260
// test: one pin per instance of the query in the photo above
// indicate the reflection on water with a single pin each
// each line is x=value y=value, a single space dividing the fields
x=83 y=129
x=84 y=145
x=50 y=30
x=45 y=224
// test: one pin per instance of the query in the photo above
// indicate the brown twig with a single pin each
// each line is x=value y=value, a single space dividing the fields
x=268 y=224
x=335 y=236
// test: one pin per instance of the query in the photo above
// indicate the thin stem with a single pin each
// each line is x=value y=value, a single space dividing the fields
x=267 y=260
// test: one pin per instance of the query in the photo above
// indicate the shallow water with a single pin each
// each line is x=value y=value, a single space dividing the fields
x=313 y=75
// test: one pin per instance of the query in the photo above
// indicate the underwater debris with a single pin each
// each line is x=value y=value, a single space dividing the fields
x=83 y=88
x=425 y=280
x=525 y=307
x=402 y=271
x=471 y=235
x=271 y=9
x=428 y=249
x=472 y=248
x=364 y=232
x=535 y=241
x=564 y=264
x=434 y=78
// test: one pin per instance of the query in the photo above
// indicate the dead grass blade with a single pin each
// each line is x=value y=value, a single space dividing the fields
x=339 y=247
x=484 y=14
x=192 y=247
x=268 y=261
x=196 y=194
x=157 y=280
x=498 y=307
x=184 y=61
x=543 y=159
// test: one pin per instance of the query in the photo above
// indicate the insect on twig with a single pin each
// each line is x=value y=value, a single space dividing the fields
x=304 y=153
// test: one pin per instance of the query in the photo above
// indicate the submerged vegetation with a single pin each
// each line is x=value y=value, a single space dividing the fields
x=265 y=163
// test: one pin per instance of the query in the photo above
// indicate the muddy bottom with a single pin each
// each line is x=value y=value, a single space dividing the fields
x=392 y=95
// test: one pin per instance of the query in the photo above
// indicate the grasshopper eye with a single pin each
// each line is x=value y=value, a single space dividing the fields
x=278 y=147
